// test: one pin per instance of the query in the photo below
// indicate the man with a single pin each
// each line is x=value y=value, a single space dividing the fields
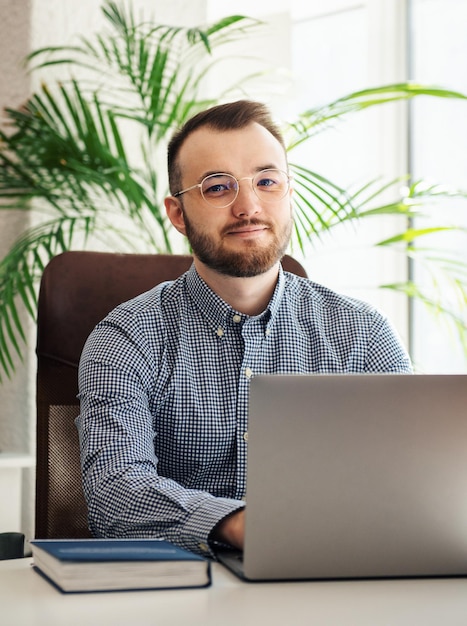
x=164 y=378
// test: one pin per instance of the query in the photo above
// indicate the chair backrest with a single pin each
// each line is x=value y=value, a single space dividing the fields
x=77 y=290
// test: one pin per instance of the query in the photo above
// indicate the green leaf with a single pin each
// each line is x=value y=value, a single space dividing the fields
x=317 y=119
x=411 y=234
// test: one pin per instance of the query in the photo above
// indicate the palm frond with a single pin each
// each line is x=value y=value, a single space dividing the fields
x=441 y=285
x=315 y=120
x=148 y=67
x=319 y=203
x=443 y=295
x=20 y=273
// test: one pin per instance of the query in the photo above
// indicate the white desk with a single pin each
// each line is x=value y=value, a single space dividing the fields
x=26 y=599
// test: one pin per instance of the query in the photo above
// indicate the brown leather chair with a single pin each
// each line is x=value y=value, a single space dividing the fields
x=77 y=290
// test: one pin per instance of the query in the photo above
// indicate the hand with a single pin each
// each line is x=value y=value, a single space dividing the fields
x=232 y=529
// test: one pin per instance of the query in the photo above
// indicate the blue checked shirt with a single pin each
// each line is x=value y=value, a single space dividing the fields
x=164 y=384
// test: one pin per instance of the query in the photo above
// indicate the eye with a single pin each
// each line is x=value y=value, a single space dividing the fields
x=270 y=180
x=217 y=188
x=266 y=182
x=217 y=185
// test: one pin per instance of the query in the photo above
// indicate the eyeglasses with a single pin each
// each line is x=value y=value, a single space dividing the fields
x=221 y=190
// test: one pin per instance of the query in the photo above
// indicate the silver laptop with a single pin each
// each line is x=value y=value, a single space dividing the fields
x=355 y=476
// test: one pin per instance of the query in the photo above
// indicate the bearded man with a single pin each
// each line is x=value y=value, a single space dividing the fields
x=164 y=378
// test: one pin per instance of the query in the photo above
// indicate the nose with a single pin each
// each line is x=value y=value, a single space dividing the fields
x=247 y=203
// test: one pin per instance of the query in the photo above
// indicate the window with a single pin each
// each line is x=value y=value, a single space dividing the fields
x=438 y=55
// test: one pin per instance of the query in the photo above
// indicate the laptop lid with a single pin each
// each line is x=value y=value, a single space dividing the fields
x=360 y=475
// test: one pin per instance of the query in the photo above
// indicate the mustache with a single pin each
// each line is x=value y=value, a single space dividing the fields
x=239 y=225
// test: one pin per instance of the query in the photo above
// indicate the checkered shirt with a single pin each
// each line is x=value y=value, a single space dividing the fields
x=164 y=384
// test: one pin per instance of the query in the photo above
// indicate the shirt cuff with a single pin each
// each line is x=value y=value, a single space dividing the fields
x=201 y=523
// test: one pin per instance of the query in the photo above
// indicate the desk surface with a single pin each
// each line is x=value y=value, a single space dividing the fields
x=26 y=599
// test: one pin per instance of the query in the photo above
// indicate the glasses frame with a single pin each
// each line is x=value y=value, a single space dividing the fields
x=237 y=180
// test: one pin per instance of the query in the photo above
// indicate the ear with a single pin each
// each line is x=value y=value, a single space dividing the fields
x=173 y=208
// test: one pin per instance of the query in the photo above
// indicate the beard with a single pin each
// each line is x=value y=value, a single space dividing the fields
x=253 y=260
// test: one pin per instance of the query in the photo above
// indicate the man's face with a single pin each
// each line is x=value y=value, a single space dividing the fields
x=250 y=236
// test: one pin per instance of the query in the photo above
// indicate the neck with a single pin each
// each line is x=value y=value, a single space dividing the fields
x=247 y=295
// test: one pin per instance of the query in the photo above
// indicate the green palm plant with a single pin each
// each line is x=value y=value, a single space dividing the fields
x=84 y=156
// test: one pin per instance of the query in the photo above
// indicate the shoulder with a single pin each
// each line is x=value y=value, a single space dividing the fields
x=151 y=304
x=362 y=333
x=317 y=306
x=138 y=329
x=304 y=292
x=144 y=320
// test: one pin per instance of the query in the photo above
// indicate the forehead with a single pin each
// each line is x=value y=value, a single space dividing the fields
x=240 y=151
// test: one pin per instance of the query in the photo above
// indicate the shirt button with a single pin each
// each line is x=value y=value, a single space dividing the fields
x=248 y=372
x=220 y=332
x=268 y=331
x=237 y=318
x=245 y=436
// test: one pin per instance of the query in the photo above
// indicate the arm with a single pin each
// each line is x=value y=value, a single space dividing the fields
x=126 y=494
x=385 y=350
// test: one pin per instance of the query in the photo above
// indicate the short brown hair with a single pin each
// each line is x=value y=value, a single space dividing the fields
x=230 y=116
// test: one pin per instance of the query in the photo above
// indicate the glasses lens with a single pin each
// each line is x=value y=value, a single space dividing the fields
x=219 y=190
x=271 y=185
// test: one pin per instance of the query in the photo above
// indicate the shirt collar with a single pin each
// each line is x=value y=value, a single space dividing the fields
x=217 y=311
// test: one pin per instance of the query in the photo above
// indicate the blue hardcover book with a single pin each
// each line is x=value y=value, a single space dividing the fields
x=75 y=565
